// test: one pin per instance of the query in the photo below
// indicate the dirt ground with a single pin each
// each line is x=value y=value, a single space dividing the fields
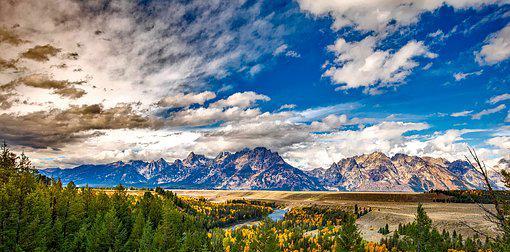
x=391 y=208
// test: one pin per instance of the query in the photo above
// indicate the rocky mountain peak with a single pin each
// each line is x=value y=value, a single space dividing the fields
x=262 y=155
x=222 y=156
x=437 y=161
x=260 y=168
x=405 y=159
x=195 y=159
x=377 y=155
x=161 y=161
x=136 y=162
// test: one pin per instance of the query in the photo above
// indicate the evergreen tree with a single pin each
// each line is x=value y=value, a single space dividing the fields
x=349 y=238
x=146 y=240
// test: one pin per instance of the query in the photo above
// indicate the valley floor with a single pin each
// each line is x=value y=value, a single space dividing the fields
x=391 y=208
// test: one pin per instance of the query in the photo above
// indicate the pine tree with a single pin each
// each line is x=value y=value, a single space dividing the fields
x=423 y=225
x=146 y=240
x=349 y=238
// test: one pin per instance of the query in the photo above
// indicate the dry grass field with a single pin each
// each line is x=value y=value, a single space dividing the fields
x=391 y=208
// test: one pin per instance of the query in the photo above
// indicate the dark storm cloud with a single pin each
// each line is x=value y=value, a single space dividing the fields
x=4 y=101
x=62 y=87
x=8 y=64
x=41 y=53
x=71 y=92
x=9 y=37
x=55 y=128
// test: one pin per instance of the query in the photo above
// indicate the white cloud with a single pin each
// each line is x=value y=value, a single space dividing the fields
x=293 y=54
x=225 y=88
x=144 y=57
x=439 y=34
x=332 y=122
x=461 y=76
x=255 y=69
x=361 y=64
x=485 y=112
x=184 y=100
x=499 y=98
x=428 y=66
x=241 y=100
x=461 y=113
x=502 y=142
x=318 y=113
x=284 y=49
x=281 y=49
x=207 y=116
x=328 y=148
x=381 y=15
x=496 y=49
x=287 y=106
x=149 y=58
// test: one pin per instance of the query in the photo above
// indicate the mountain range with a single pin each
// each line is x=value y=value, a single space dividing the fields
x=262 y=169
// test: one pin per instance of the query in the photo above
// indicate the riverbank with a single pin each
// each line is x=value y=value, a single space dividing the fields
x=388 y=208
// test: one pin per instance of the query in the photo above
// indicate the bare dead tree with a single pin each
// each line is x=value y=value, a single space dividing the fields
x=497 y=217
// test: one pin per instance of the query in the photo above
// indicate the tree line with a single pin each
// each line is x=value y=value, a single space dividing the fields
x=41 y=214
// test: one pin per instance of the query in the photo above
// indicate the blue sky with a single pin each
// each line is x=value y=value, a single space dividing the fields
x=313 y=80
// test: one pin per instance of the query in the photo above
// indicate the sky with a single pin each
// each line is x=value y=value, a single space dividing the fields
x=315 y=80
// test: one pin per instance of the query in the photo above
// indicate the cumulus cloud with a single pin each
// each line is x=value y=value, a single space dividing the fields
x=499 y=98
x=361 y=64
x=490 y=111
x=72 y=54
x=381 y=15
x=461 y=113
x=328 y=148
x=117 y=62
x=332 y=122
x=55 y=128
x=502 y=142
x=206 y=116
x=241 y=100
x=317 y=113
x=145 y=56
x=496 y=49
x=184 y=100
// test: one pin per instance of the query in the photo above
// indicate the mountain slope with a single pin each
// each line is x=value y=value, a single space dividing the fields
x=378 y=172
x=247 y=169
x=262 y=169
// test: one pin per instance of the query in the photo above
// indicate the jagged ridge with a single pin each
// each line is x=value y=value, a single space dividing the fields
x=262 y=169
x=378 y=172
x=247 y=169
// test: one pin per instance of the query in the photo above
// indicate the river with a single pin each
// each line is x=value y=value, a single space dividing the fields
x=276 y=215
